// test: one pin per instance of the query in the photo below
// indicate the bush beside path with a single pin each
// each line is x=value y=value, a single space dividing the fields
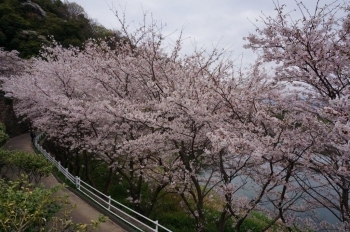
x=84 y=212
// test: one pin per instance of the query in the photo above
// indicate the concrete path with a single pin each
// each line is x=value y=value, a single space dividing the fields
x=83 y=213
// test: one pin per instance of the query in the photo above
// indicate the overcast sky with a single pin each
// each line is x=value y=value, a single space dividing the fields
x=206 y=22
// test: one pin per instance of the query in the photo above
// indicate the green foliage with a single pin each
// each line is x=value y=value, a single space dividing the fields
x=3 y=136
x=32 y=165
x=10 y=23
x=16 y=20
x=26 y=208
x=177 y=221
x=2 y=37
x=255 y=222
x=6 y=9
x=29 y=47
x=2 y=127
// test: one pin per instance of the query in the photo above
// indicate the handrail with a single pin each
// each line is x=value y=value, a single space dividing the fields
x=94 y=194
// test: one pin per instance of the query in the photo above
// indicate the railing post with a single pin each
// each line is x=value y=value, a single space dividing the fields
x=59 y=166
x=109 y=202
x=156 y=225
x=66 y=174
x=77 y=182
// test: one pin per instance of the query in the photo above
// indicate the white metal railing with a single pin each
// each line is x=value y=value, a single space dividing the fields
x=112 y=206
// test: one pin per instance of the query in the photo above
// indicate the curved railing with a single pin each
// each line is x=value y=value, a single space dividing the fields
x=114 y=207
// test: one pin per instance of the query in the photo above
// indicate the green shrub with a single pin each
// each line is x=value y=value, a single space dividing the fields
x=32 y=165
x=3 y=136
x=255 y=222
x=24 y=207
x=177 y=221
x=2 y=127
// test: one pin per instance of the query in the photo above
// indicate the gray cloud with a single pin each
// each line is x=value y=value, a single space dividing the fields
x=206 y=22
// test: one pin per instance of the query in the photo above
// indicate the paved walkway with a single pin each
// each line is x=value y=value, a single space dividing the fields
x=83 y=213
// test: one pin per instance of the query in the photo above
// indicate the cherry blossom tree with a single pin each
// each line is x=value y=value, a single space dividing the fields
x=192 y=125
x=146 y=114
x=312 y=53
x=10 y=63
x=312 y=49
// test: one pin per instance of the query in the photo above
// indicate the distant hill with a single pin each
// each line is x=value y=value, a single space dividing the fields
x=26 y=25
